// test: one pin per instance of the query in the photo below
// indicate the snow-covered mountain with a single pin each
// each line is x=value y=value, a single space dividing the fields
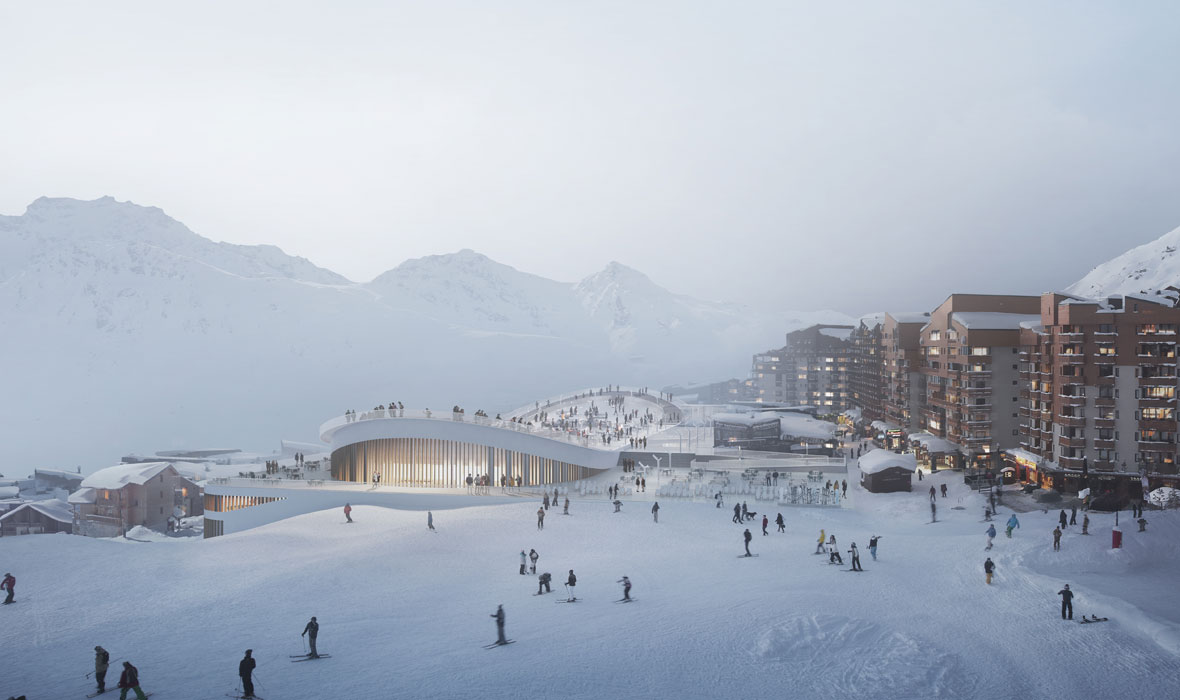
x=123 y=330
x=1144 y=269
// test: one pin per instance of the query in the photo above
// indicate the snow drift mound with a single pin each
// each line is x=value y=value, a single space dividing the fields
x=830 y=656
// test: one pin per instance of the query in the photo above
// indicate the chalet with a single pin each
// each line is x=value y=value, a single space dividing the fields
x=38 y=517
x=116 y=499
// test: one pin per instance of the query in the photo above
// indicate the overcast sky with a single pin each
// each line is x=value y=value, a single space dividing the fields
x=832 y=155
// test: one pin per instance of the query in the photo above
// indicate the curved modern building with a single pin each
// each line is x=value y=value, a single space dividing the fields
x=440 y=450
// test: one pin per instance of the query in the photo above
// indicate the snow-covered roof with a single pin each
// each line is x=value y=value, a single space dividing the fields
x=853 y=414
x=879 y=425
x=838 y=333
x=119 y=476
x=83 y=496
x=992 y=320
x=880 y=460
x=746 y=419
x=910 y=316
x=9 y=491
x=933 y=443
x=59 y=473
x=1033 y=326
x=800 y=426
x=1024 y=455
x=54 y=508
x=873 y=319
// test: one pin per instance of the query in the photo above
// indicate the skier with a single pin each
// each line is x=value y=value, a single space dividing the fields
x=737 y=513
x=819 y=546
x=129 y=680
x=855 y=558
x=540 y=518
x=991 y=535
x=566 y=511
x=429 y=520
x=9 y=584
x=765 y=522
x=989 y=568
x=348 y=512
x=523 y=562
x=533 y=557
x=499 y=615
x=626 y=587
x=245 y=668
x=102 y=660
x=543 y=582
x=1073 y=515
x=1066 y=602
x=655 y=512
x=570 y=583
x=1056 y=539
x=748 y=537
x=1013 y=523
x=779 y=521
x=312 y=630
x=873 y=546
x=1064 y=520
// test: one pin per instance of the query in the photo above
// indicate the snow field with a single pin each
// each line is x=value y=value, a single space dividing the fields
x=404 y=611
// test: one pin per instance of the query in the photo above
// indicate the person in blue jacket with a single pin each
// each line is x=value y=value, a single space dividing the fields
x=1013 y=523
x=991 y=535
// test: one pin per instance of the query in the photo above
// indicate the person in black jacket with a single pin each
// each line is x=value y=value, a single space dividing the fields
x=129 y=680
x=102 y=660
x=499 y=615
x=989 y=568
x=570 y=583
x=543 y=583
x=312 y=630
x=748 y=537
x=1066 y=602
x=245 y=668
x=781 y=525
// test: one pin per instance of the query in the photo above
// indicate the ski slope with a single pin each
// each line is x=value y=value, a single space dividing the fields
x=404 y=611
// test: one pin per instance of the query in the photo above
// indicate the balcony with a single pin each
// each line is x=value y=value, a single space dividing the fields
x=1072 y=421
x=1107 y=401
x=1023 y=411
x=1078 y=442
x=1157 y=446
x=1103 y=444
x=1071 y=462
x=1103 y=422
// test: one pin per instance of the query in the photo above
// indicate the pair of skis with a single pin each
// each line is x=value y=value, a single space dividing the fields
x=1094 y=618
x=112 y=690
x=296 y=658
x=505 y=643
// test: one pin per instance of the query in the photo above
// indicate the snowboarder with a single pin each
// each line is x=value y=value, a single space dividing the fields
x=245 y=668
x=942 y=487
x=779 y=521
x=626 y=587
x=9 y=584
x=102 y=661
x=991 y=535
x=765 y=522
x=348 y=512
x=1066 y=602
x=540 y=518
x=1056 y=539
x=1064 y=520
x=855 y=558
x=523 y=562
x=570 y=583
x=655 y=512
x=566 y=511
x=873 y=546
x=819 y=546
x=1085 y=523
x=737 y=513
x=543 y=582
x=312 y=630
x=429 y=520
x=129 y=680
x=533 y=557
x=1142 y=524
x=1013 y=523
x=1073 y=515
x=747 y=536
x=499 y=615
x=989 y=567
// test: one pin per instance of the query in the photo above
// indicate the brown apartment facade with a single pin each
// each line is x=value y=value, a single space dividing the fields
x=810 y=370
x=1099 y=391
x=903 y=388
x=970 y=365
x=865 y=369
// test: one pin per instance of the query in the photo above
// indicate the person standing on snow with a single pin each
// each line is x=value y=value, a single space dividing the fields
x=991 y=535
x=540 y=518
x=989 y=568
x=1013 y=523
x=245 y=668
x=545 y=501
x=943 y=488
x=765 y=522
x=626 y=587
x=429 y=520
x=348 y=512
x=1066 y=602
x=312 y=630
x=655 y=512
x=524 y=558
x=1073 y=515
x=570 y=583
x=566 y=511
x=1085 y=523
x=102 y=661
x=737 y=513
x=873 y=546
x=855 y=558
x=844 y=487
x=533 y=557
x=9 y=584
x=499 y=615
x=129 y=680
x=1064 y=520
x=748 y=537
x=781 y=525
x=933 y=494
x=819 y=546
x=1056 y=539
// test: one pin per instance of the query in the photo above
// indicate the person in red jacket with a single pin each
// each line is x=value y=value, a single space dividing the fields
x=765 y=522
x=9 y=585
x=129 y=680
x=348 y=512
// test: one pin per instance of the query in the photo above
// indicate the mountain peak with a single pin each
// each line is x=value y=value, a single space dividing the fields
x=1145 y=268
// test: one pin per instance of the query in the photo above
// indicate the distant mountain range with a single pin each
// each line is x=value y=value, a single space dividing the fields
x=1146 y=269
x=123 y=330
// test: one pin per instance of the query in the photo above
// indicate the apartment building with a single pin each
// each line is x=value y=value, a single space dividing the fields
x=811 y=369
x=903 y=385
x=1099 y=389
x=866 y=368
x=970 y=363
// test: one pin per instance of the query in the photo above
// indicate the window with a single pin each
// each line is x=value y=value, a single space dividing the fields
x=935 y=335
x=982 y=351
